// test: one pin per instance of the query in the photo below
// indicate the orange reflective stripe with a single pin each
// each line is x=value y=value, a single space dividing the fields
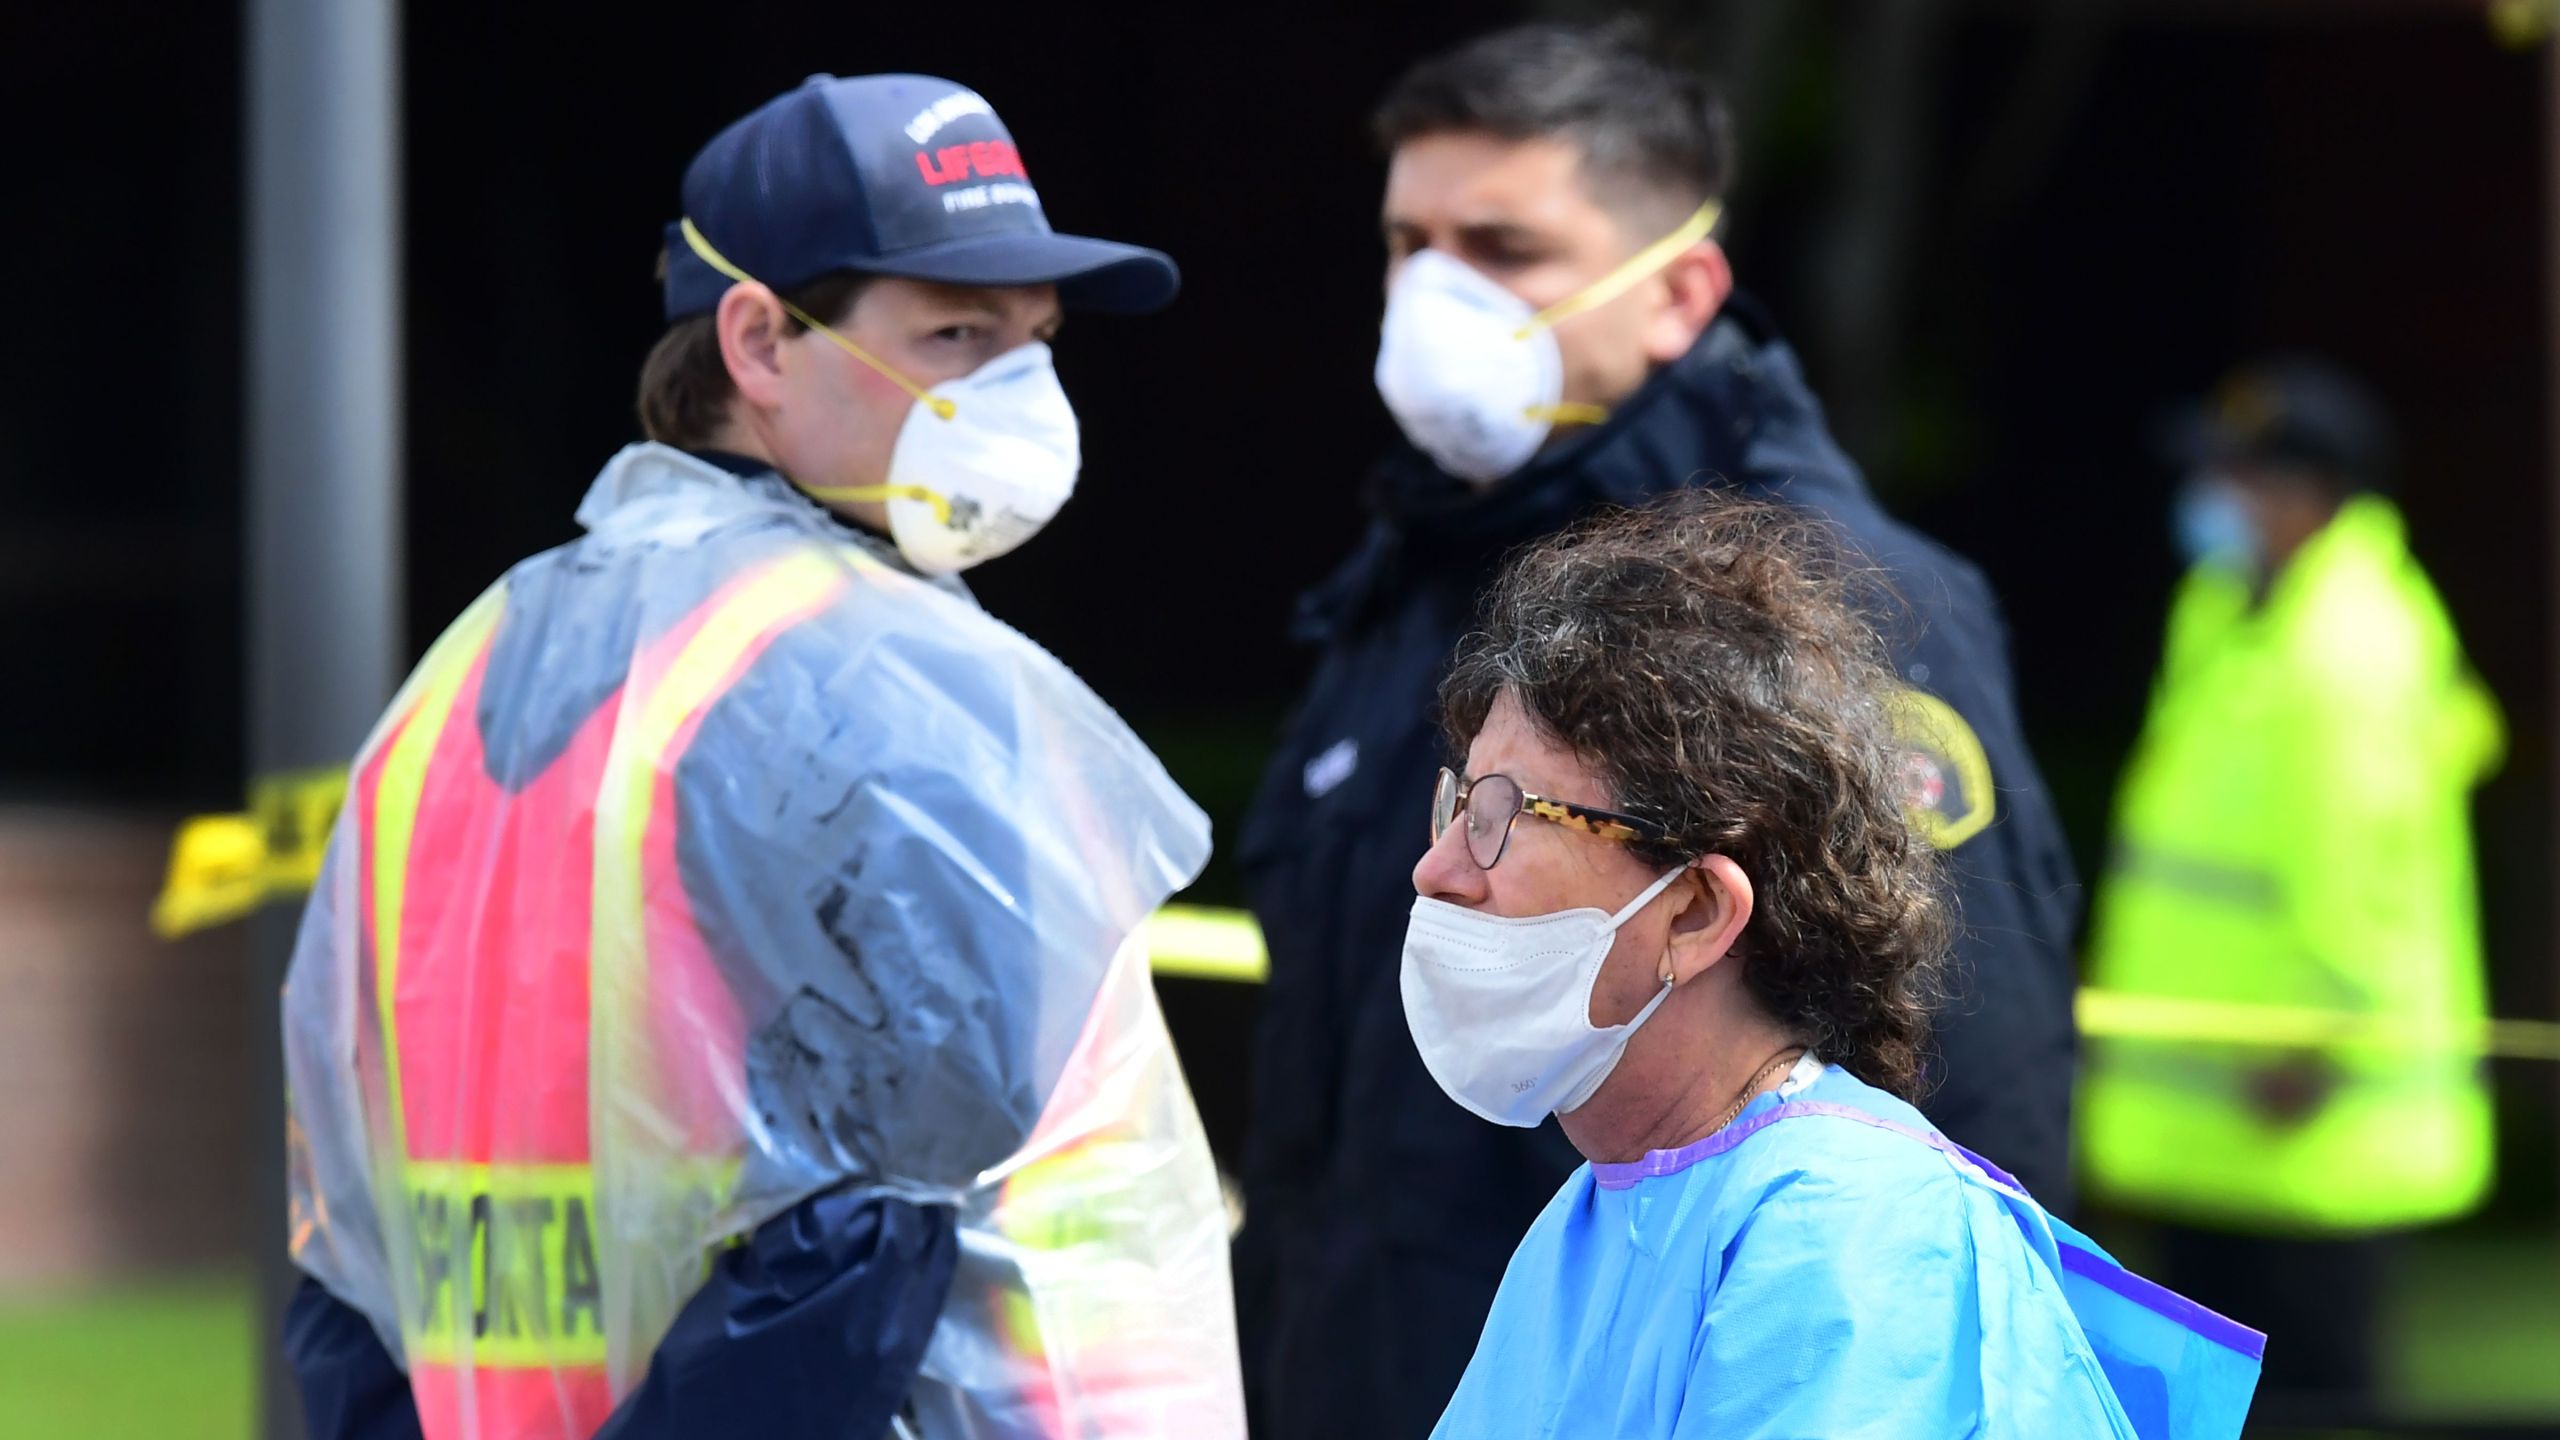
x=395 y=814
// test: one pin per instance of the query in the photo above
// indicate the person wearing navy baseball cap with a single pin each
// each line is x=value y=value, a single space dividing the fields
x=861 y=291
x=750 y=1039
x=902 y=175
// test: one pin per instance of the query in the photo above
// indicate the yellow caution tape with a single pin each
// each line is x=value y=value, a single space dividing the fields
x=1199 y=943
x=225 y=866
x=217 y=873
x=1203 y=943
x=295 y=812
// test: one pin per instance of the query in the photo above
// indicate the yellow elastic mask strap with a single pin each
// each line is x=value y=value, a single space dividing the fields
x=1570 y=412
x=1637 y=268
x=939 y=405
x=846 y=494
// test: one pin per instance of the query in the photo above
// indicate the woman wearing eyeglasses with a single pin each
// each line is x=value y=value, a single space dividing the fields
x=1673 y=900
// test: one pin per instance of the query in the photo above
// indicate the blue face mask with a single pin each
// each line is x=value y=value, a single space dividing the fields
x=2211 y=524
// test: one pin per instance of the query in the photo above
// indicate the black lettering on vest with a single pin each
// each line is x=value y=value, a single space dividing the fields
x=484 y=1244
x=579 y=1291
x=434 y=1242
x=521 y=1296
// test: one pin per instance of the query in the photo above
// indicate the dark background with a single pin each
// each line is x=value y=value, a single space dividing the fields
x=2006 y=235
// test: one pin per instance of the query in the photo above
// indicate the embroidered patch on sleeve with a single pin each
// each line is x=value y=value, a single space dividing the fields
x=1946 y=775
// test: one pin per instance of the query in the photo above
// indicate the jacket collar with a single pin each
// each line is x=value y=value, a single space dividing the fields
x=652 y=474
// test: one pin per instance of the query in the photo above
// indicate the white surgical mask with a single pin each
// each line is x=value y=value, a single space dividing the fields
x=1500 y=1007
x=981 y=463
x=1473 y=375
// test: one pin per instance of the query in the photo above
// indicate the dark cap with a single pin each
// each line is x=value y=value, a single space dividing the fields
x=900 y=175
x=2294 y=412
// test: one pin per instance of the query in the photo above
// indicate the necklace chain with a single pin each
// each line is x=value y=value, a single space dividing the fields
x=1751 y=1087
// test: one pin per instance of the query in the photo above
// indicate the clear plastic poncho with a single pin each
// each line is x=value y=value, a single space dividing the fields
x=888 y=945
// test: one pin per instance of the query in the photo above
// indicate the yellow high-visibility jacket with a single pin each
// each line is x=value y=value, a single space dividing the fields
x=2294 y=829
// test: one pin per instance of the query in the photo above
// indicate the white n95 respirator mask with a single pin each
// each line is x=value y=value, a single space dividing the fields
x=981 y=462
x=979 y=474
x=1472 y=373
x=1470 y=377
x=1500 y=1007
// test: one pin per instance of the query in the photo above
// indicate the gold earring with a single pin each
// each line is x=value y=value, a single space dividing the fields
x=1666 y=967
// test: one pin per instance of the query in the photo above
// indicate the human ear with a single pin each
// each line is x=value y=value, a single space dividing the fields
x=1693 y=291
x=752 y=326
x=1715 y=905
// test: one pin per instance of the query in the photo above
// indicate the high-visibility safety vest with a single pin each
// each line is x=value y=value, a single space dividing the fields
x=710 y=863
x=2293 y=829
x=476 y=983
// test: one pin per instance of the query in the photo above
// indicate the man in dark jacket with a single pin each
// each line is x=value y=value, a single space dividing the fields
x=1561 y=335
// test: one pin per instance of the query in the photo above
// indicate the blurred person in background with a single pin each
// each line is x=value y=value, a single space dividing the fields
x=1562 y=333
x=726 y=896
x=2293 y=829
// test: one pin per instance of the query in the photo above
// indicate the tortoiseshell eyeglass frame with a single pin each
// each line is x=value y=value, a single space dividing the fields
x=1450 y=798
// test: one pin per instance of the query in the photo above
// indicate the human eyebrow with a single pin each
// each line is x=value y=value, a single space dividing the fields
x=1499 y=237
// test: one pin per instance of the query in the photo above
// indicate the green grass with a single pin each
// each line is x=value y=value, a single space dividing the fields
x=169 y=1359
x=2477 y=1320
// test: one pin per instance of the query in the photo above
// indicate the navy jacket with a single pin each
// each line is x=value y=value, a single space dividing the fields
x=813 y=1329
x=1379 y=1215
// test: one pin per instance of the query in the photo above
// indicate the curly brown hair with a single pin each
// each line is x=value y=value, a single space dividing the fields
x=1706 y=657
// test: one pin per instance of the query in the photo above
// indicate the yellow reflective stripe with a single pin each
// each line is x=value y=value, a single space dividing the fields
x=1627 y=276
x=2110 y=1014
x=640 y=742
x=654 y=710
x=395 y=818
x=507 y=1273
x=506 y=1261
x=939 y=405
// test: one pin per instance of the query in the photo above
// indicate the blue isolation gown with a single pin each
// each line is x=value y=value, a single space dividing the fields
x=1826 y=1268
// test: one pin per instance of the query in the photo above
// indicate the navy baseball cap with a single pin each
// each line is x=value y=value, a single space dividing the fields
x=902 y=175
x=2289 y=410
